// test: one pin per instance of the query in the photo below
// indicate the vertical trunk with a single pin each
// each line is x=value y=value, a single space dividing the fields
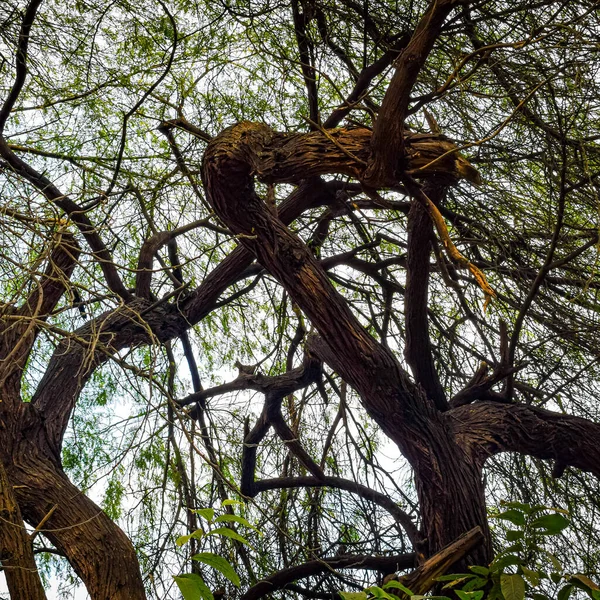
x=451 y=496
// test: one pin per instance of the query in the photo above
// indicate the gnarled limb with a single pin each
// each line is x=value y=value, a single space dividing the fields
x=97 y=549
x=488 y=428
x=399 y=407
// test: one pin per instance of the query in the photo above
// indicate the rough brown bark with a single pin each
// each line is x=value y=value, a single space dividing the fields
x=97 y=549
x=388 y=134
x=448 y=482
x=16 y=551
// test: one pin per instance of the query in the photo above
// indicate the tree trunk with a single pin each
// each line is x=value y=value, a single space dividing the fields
x=97 y=549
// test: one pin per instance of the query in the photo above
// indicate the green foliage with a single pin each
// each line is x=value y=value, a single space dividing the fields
x=193 y=586
x=525 y=568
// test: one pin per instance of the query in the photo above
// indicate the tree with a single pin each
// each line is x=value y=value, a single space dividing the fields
x=389 y=209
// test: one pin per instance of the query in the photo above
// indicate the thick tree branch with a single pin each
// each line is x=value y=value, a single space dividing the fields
x=418 y=349
x=76 y=526
x=385 y=166
x=488 y=428
x=277 y=581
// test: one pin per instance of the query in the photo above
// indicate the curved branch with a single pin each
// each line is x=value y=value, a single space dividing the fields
x=489 y=428
x=149 y=249
x=277 y=581
x=401 y=517
x=21 y=73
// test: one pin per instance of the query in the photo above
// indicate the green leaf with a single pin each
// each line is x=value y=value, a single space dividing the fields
x=538 y=596
x=475 y=584
x=501 y=562
x=516 y=517
x=469 y=595
x=205 y=513
x=353 y=595
x=524 y=508
x=182 y=540
x=512 y=535
x=555 y=562
x=398 y=586
x=192 y=587
x=455 y=576
x=377 y=592
x=513 y=587
x=480 y=570
x=230 y=502
x=586 y=581
x=220 y=564
x=235 y=519
x=532 y=577
x=551 y=524
x=230 y=533
x=565 y=592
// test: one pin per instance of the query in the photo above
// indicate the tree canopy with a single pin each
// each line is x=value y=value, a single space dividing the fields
x=326 y=267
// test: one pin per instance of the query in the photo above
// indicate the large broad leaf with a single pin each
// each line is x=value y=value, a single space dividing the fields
x=397 y=586
x=220 y=564
x=516 y=517
x=230 y=533
x=235 y=519
x=550 y=524
x=587 y=583
x=353 y=595
x=205 y=513
x=192 y=587
x=513 y=587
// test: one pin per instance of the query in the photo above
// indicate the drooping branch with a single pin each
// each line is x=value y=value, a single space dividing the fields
x=278 y=581
x=489 y=428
